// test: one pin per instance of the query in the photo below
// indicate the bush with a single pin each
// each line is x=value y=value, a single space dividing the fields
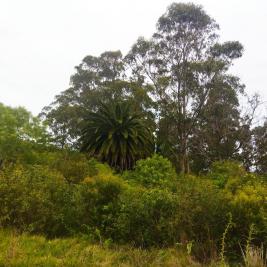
x=248 y=207
x=39 y=200
x=36 y=199
x=154 y=171
x=100 y=196
x=74 y=166
x=196 y=211
x=246 y=195
x=222 y=171
x=203 y=215
x=147 y=209
x=146 y=217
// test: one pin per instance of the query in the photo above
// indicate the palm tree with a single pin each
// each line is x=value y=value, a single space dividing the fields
x=116 y=135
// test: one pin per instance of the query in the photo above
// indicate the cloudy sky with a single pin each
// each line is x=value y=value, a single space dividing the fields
x=42 y=40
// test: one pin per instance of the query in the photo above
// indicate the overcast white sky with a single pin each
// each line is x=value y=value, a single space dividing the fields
x=42 y=40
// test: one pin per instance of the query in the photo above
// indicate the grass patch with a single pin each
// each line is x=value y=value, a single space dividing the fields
x=24 y=250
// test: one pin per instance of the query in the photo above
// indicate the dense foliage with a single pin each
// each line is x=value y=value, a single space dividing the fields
x=62 y=193
x=179 y=80
x=117 y=136
x=148 y=150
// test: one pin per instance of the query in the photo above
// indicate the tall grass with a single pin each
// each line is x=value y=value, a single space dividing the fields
x=24 y=250
x=255 y=257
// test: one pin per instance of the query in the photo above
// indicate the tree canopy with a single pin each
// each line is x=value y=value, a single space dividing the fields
x=180 y=81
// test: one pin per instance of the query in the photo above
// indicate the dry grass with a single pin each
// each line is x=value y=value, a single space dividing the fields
x=255 y=257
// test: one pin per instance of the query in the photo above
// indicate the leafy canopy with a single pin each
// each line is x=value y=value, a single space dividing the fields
x=116 y=135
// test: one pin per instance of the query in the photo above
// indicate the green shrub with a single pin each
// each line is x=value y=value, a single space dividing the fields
x=222 y=171
x=246 y=195
x=196 y=211
x=154 y=171
x=74 y=166
x=36 y=199
x=202 y=214
x=100 y=197
x=146 y=209
x=40 y=200
x=147 y=217
x=248 y=207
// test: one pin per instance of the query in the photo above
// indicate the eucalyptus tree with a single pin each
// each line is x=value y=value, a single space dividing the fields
x=182 y=62
x=218 y=132
x=117 y=135
x=260 y=148
x=96 y=79
x=178 y=79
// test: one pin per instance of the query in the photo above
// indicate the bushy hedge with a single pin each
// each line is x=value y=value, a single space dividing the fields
x=149 y=206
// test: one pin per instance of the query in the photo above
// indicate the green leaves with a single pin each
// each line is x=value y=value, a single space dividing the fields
x=260 y=141
x=231 y=50
x=117 y=135
x=19 y=132
x=155 y=171
x=178 y=79
x=185 y=15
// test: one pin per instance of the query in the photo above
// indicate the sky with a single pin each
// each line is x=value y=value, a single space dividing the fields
x=41 y=41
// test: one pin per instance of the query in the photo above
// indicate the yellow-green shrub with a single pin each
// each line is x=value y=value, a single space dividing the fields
x=100 y=195
x=152 y=171
x=34 y=199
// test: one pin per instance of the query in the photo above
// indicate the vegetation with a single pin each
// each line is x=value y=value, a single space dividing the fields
x=24 y=250
x=117 y=136
x=142 y=207
x=179 y=81
x=146 y=160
